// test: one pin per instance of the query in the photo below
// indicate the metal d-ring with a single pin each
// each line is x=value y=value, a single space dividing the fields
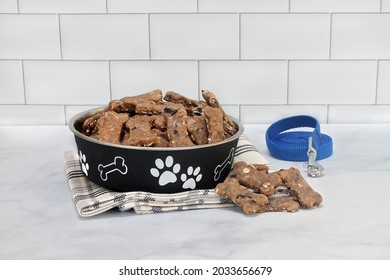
x=314 y=169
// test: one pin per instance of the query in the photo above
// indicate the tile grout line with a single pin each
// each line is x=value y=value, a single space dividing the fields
x=195 y=59
x=202 y=13
x=109 y=78
x=60 y=35
x=376 y=82
x=149 y=38
x=288 y=83
x=18 y=6
x=330 y=36
x=24 y=84
x=327 y=112
x=198 y=65
x=239 y=36
x=65 y=122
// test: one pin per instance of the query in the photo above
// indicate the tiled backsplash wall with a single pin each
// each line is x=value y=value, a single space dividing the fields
x=264 y=59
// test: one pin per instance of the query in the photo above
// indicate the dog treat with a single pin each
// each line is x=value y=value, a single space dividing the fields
x=252 y=202
x=290 y=191
x=162 y=140
x=247 y=199
x=214 y=121
x=149 y=107
x=90 y=125
x=141 y=133
x=159 y=123
x=260 y=167
x=293 y=179
x=177 y=127
x=229 y=126
x=175 y=97
x=154 y=121
x=280 y=204
x=249 y=175
x=197 y=129
x=128 y=104
x=109 y=127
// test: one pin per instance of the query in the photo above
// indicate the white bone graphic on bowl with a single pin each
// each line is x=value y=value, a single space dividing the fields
x=118 y=165
x=220 y=167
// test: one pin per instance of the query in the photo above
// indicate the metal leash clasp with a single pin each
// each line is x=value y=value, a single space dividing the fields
x=314 y=169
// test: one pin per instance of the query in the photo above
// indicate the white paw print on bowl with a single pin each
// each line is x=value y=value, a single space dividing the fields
x=191 y=178
x=84 y=163
x=169 y=174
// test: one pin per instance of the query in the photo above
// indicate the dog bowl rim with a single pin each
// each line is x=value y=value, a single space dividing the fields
x=82 y=116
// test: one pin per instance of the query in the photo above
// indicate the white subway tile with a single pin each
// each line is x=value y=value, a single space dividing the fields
x=332 y=82
x=334 y=5
x=243 y=5
x=384 y=83
x=31 y=115
x=194 y=36
x=354 y=114
x=385 y=5
x=360 y=36
x=151 y=6
x=67 y=82
x=285 y=36
x=62 y=6
x=8 y=6
x=29 y=36
x=11 y=82
x=268 y=114
x=136 y=77
x=119 y=36
x=245 y=82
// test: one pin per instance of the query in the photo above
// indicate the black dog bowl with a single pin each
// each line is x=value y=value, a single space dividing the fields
x=159 y=170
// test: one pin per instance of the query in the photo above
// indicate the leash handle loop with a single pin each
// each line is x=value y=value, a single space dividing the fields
x=285 y=142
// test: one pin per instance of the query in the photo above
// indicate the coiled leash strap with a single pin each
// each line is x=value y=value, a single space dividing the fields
x=299 y=145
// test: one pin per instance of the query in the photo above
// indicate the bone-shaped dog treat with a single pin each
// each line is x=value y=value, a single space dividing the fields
x=249 y=201
x=254 y=202
x=228 y=125
x=214 y=121
x=294 y=180
x=118 y=165
x=197 y=129
x=127 y=104
x=109 y=127
x=90 y=124
x=279 y=204
x=251 y=177
x=177 y=127
x=141 y=132
x=175 y=97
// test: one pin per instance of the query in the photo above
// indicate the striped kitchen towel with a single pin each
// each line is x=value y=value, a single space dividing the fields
x=91 y=199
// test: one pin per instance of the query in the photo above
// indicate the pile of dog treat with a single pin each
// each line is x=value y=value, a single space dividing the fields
x=151 y=120
x=253 y=187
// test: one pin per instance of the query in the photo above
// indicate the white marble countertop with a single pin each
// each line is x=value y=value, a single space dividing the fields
x=38 y=219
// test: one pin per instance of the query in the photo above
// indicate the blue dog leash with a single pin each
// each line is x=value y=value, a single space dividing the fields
x=297 y=145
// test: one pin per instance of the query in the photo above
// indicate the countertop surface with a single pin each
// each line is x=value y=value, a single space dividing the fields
x=38 y=219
